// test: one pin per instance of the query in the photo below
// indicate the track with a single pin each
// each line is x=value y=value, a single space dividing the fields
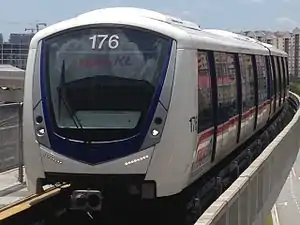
x=50 y=208
x=36 y=208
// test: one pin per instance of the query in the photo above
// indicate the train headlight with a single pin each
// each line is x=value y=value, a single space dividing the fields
x=155 y=132
x=41 y=131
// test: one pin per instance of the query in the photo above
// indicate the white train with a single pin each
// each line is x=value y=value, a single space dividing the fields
x=131 y=99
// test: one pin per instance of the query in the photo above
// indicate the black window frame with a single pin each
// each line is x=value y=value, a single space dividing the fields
x=75 y=133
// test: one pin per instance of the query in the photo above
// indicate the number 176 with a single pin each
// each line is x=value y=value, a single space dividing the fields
x=113 y=40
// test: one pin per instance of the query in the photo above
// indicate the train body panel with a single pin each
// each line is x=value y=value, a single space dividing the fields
x=122 y=91
x=32 y=155
x=136 y=163
x=177 y=157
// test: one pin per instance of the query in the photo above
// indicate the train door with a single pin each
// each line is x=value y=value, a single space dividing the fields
x=206 y=119
x=271 y=92
x=262 y=91
x=276 y=83
x=286 y=69
x=280 y=79
x=248 y=96
x=256 y=92
x=283 y=78
x=287 y=74
x=227 y=112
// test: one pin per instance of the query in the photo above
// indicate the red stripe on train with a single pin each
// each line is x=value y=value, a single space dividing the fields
x=230 y=123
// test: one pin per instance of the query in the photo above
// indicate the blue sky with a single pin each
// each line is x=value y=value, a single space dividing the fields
x=16 y=15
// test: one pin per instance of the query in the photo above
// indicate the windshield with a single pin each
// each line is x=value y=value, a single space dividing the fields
x=103 y=78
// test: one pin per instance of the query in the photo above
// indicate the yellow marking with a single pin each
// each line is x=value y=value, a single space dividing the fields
x=269 y=220
x=28 y=202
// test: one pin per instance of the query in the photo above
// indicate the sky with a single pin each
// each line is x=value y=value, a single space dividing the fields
x=233 y=15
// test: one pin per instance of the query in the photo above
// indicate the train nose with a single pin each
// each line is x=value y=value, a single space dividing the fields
x=86 y=200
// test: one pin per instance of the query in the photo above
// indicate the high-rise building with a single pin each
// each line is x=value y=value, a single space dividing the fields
x=15 y=51
x=295 y=60
x=284 y=40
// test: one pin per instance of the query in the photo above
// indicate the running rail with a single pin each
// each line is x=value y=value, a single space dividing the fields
x=249 y=200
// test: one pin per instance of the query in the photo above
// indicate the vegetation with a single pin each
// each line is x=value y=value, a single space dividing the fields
x=295 y=87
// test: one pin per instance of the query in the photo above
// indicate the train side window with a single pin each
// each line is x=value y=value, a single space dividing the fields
x=261 y=79
x=226 y=81
x=205 y=108
x=248 y=85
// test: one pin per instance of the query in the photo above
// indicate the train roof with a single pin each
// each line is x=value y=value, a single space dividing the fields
x=178 y=29
x=143 y=18
x=126 y=11
x=274 y=50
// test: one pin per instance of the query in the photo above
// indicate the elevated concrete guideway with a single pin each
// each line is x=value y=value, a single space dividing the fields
x=249 y=200
x=287 y=206
x=11 y=83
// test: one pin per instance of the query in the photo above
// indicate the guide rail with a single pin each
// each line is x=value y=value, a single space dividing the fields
x=35 y=208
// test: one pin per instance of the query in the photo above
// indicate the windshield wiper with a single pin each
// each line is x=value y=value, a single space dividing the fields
x=61 y=96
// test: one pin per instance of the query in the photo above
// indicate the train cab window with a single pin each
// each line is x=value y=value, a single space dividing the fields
x=248 y=85
x=226 y=81
x=205 y=110
x=261 y=79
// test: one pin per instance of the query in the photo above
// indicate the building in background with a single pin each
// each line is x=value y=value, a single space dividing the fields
x=20 y=38
x=284 y=40
x=14 y=52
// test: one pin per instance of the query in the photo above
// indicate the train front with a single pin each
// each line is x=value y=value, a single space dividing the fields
x=95 y=104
